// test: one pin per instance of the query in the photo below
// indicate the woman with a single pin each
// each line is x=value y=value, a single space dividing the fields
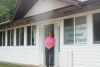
x=49 y=49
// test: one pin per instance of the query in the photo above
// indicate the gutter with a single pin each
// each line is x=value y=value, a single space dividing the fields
x=6 y=22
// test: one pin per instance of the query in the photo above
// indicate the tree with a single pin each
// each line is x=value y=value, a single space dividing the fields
x=7 y=8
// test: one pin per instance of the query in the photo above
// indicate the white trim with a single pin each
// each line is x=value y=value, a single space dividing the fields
x=25 y=36
x=2 y=38
x=5 y=37
x=74 y=30
x=90 y=30
x=61 y=18
x=31 y=34
x=14 y=37
x=4 y=22
x=42 y=37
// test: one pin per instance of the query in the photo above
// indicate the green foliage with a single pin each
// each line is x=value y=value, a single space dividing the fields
x=7 y=8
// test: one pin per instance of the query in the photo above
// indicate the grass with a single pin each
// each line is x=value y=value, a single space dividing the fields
x=9 y=65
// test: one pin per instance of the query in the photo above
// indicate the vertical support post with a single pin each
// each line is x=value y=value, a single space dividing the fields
x=90 y=29
x=6 y=38
x=25 y=36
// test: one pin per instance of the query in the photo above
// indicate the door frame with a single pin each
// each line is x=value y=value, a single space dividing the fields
x=57 y=24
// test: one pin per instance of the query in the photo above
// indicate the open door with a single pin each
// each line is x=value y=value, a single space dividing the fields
x=55 y=28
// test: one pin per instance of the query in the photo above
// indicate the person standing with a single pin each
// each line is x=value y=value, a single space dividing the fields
x=49 y=49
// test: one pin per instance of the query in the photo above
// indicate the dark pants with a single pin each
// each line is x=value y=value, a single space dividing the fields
x=49 y=54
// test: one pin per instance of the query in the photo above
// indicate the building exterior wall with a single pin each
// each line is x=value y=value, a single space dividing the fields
x=20 y=55
x=77 y=55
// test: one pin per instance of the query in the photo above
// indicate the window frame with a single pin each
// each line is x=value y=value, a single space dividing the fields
x=94 y=42
x=3 y=34
x=75 y=31
x=10 y=35
x=19 y=36
x=31 y=36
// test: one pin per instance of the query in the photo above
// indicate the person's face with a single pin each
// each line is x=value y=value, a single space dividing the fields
x=49 y=34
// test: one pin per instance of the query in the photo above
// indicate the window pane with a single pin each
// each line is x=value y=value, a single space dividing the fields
x=34 y=35
x=17 y=37
x=3 y=38
x=29 y=35
x=21 y=36
x=12 y=37
x=69 y=31
x=8 y=38
x=96 y=26
x=80 y=30
x=0 y=38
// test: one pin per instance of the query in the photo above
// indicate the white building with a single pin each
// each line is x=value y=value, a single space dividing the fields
x=75 y=24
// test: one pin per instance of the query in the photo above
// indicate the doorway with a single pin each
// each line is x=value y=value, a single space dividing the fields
x=55 y=29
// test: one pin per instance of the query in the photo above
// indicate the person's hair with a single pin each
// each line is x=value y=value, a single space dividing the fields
x=51 y=33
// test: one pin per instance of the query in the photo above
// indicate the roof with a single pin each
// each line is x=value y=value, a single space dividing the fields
x=61 y=12
x=23 y=7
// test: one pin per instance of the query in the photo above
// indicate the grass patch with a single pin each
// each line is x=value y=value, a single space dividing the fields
x=9 y=65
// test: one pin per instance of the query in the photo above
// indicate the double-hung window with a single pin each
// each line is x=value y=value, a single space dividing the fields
x=20 y=37
x=10 y=37
x=31 y=35
x=96 y=28
x=2 y=38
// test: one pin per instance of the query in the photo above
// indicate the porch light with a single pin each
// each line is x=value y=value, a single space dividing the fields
x=82 y=0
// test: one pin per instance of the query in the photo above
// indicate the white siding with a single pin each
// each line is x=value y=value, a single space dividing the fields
x=21 y=55
x=44 y=6
x=80 y=56
x=86 y=59
x=63 y=59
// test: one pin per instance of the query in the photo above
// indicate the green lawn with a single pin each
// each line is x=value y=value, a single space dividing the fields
x=9 y=65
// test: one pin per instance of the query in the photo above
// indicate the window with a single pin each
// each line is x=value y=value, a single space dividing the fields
x=69 y=31
x=31 y=35
x=10 y=37
x=80 y=30
x=17 y=37
x=75 y=32
x=96 y=28
x=20 y=37
x=2 y=38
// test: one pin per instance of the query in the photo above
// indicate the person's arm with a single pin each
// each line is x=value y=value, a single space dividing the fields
x=53 y=43
x=46 y=44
